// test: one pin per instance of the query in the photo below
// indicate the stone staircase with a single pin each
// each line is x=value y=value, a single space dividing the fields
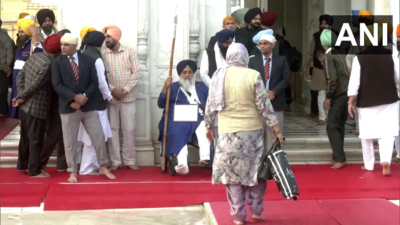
x=306 y=142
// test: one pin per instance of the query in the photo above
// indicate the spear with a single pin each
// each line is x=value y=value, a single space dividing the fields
x=164 y=161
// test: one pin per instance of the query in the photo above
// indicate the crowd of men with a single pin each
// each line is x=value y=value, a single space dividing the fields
x=77 y=98
x=74 y=100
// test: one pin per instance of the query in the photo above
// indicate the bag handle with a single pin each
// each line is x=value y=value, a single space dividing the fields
x=275 y=145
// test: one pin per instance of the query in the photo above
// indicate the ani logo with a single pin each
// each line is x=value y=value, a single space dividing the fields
x=364 y=31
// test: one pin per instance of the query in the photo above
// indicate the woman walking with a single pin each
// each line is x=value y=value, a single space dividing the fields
x=238 y=96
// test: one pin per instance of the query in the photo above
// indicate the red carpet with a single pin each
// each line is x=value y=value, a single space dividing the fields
x=310 y=212
x=6 y=126
x=147 y=188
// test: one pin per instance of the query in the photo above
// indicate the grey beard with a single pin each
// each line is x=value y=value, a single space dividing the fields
x=186 y=83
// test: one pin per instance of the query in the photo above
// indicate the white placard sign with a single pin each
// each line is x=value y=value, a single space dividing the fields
x=186 y=113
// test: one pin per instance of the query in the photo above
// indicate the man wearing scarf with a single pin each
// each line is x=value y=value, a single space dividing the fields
x=123 y=79
x=184 y=91
x=227 y=24
x=245 y=34
x=377 y=69
x=46 y=19
x=337 y=75
x=276 y=75
x=6 y=57
x=215 y=57
x=89 y=163
x=34 y=98
x=28 y=43
x=318 y=79
x=239 y=17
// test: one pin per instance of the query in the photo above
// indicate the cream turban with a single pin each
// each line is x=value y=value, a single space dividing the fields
x=70 y=38
x=113 y=31
x=24 y=24
x=268 y=37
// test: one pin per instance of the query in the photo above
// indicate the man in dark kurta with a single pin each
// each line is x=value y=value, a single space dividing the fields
x=245 y=35
x=185 y=91
x=28 y=43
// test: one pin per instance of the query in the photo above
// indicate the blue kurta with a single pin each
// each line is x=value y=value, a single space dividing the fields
x=22 y=55
x=179 y=133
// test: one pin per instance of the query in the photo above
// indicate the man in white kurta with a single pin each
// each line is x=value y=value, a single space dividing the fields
x=397 y=139
x=89 y=162
x=377 y=103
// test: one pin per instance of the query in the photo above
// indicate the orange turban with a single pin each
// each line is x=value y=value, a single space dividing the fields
x=113 y=31
x=398 y=30
x=364 y=13
x=389 y=26
x=86 y=30
x=22 y=15
x=228 y=18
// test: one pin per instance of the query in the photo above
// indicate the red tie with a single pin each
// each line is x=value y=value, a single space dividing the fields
x=75 y=68
x=266 y=70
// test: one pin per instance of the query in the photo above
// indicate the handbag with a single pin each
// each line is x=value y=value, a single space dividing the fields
x=264 y=172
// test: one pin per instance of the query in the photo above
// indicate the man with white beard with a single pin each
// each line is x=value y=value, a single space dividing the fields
x=183 y=92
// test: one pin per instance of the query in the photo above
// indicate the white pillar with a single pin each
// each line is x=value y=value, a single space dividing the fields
x=395 y=8
x=358 y=4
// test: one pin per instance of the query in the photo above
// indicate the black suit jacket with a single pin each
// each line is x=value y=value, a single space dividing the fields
x=279 y=77
x=65 y=84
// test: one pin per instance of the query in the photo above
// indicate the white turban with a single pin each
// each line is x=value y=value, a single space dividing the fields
x=30 y=17
x=268 y=37
x=70 y=38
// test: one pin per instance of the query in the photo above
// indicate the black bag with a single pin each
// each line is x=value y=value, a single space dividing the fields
x=283 y=175
x=296 y=60
x=264 y=171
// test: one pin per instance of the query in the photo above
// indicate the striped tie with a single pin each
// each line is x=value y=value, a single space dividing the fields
x=266 y=70
x=75 y=68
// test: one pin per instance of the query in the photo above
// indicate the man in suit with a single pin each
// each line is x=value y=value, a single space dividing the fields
x=34 y=99
x=76 y=82
x=276 y=73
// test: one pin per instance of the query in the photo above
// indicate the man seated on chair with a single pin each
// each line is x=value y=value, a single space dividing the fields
x=184 y=91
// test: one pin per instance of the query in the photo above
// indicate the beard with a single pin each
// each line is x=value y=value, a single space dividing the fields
x=255 y=25
x=22 y=40
x=186 y=83
x=47 y=29
x=111 y=45
x=224 y=50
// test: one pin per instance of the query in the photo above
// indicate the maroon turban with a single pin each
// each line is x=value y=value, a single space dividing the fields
x=52 y=44
x=268 y=18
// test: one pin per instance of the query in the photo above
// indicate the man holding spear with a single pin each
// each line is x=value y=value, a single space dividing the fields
x=183 y=92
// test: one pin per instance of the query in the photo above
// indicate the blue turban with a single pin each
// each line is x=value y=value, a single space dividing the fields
x=256 y=38
x=224 y=35
x=184 y=63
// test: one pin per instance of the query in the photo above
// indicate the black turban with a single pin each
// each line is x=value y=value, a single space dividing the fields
x=328 y=19
x=224 y=35
x=43 y=14
x=251 y=14
x=182 y=65
x=94 y=38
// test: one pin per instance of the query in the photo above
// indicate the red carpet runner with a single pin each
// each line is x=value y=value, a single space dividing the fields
x=312 y=212
x=147 y=188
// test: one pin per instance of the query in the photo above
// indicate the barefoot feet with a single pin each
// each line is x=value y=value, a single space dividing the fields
x=73 y=178
x=114 y=168
x=133 y=167
x=106 y=172
x=386 y=169
x=338 y=165
x=93 y=173
x=258 y=217
x=396 y=161
x=41 y=175
x=238 y=222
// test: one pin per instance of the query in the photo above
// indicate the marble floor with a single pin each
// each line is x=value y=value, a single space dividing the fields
x=192 y=215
